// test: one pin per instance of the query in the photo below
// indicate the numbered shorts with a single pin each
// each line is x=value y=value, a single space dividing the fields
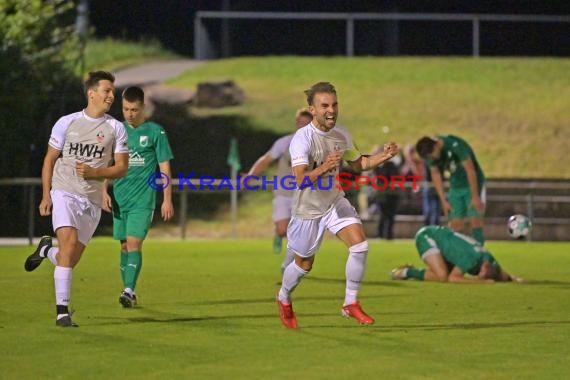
x=304 y=236
x=460 y=202
x=134 y=223
x=282 y=207
x=72 y=210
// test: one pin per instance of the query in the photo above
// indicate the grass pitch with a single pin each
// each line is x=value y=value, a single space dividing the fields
x=207 y=311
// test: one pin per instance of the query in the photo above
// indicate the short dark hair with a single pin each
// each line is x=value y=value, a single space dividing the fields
x=95 y=76
x=134 y=94
x=425 y=146
x=320 y=87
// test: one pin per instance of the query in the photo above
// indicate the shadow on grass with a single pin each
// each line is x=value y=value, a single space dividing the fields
x=401 y=283
x=159 y=316
x=474 y=325
x=547 y=282
x=390 y=283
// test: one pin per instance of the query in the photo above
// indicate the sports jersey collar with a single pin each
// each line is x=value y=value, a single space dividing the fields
x=89 y=118
x=317 y=130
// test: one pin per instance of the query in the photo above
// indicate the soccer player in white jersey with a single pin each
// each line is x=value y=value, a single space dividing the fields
x=318 y=204
x=282 y=198
x=84 y=148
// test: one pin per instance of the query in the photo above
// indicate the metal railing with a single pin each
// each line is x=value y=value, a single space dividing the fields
x=529 y=193
x=202 y=43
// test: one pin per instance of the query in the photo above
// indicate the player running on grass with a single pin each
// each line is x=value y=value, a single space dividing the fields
x=81 y=148
x=134 y=199
x=449 y=256
x=316 y=154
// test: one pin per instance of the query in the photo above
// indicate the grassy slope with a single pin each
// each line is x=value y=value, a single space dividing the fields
x=110 y=54
x=514 y=112
x=208 y=312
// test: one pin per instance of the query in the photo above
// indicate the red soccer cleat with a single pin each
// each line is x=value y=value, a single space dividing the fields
x=287 y=315
x=355 y=311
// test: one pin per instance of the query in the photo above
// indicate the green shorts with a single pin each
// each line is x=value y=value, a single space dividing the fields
x=132 y=223
x=460 y=202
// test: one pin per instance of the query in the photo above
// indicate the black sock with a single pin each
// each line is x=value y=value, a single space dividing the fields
x=62 y=309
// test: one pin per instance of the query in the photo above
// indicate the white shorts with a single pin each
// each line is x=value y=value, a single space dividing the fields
x=282 y=207
x=72 y=210
x=304 y=236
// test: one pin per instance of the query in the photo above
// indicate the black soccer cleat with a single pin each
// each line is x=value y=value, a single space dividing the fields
x=34 y=260
x=65 y=321
x=127 y=300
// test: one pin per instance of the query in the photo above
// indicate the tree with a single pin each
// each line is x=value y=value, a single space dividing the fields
x=38 y=53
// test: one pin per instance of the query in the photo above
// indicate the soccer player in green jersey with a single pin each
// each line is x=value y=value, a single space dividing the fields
x=465 y=202
x=449 y=256
x=134 y=198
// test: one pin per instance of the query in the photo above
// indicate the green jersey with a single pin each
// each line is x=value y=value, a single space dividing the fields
x=148 y=146
x=455 y=150
x=456 y=249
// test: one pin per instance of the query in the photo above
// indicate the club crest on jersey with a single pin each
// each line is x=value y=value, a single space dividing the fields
x=100 y=136
x=143 y=141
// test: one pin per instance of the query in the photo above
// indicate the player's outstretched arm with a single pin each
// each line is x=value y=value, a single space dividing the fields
x=261 y=165
x=370 y=162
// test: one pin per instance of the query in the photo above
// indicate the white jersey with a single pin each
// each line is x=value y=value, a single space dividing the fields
x=311 y=146
x=280 y=150
x=81 y=138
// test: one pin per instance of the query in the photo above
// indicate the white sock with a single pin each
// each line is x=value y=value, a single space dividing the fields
x=289 y=257
x=291 y=278
x=62 y=278
x=129 y=290
x=52 y=255
x=355 y=267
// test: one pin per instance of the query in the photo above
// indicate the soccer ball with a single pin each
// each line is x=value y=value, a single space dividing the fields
x=519 y=226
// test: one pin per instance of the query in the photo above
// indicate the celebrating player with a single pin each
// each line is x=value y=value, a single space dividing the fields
x=81 y=146
x=135 y=199
x=318 y=204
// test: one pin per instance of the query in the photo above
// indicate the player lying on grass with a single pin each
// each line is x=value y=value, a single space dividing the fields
x=449 y=256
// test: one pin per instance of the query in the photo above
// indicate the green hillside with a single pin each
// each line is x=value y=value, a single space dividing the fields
x=514 y=112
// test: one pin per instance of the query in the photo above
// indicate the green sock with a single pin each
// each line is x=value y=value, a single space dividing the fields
x=123 y=265
x=418 y=274
x=132 y=270
x=478 y=235
x=139 y=267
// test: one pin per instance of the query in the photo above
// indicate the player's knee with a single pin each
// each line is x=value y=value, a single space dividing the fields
x=305 y=263
x=361 y=247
